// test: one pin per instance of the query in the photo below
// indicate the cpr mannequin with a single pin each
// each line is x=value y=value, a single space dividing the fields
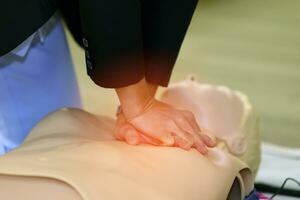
x=228 y=115
x=71 y=154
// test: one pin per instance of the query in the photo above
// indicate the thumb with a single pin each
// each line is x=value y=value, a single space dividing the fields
x=132 y=136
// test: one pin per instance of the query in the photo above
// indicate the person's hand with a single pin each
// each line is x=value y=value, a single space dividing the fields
x=126 y=132
x=170 y=127
x=150 y=120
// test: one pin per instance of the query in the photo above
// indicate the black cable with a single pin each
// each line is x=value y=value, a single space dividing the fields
x=282 y=186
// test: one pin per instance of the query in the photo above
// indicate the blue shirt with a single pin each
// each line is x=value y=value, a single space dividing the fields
x=36 y=78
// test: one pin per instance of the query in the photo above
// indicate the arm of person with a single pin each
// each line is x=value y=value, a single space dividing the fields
x=119 y=54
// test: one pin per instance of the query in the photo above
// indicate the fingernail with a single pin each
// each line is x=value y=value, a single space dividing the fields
x=202 y=150
x=210 y=141
x=132 y=140
x=117 y=137
x=167 y=140
x=184 y=144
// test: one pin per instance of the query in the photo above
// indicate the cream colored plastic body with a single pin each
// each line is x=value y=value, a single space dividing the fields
x=77 y=150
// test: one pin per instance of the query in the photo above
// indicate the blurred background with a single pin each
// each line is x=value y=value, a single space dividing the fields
x=251 y=46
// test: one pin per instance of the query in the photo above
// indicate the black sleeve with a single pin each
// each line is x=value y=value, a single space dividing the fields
x=165 y=23
x=112 y=39
x=70 y=12
x=126 y=40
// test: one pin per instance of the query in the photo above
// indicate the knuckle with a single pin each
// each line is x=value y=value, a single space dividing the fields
x=181 y=119
x=169 y=125
x=189 y=114
x=170 y=122
x=200 y=143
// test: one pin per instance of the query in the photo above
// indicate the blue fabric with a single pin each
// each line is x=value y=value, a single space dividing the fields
x=32 y=87
x=252 y=196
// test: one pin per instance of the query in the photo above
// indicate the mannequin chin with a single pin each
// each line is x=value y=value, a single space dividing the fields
x=71 y=154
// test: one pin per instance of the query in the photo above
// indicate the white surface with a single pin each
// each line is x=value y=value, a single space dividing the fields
x=279 y=163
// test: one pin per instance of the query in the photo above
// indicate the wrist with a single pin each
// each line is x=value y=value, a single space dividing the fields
x=152 y=89
x=134 y=98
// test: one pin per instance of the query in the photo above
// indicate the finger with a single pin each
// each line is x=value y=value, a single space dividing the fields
x=119 y=136
x=167 y=140
x=124 y=127
x=132 y=136
x=175 y=127
x=208 y=141
x=159 y=134
x=148 y=140
x=190 y=133
x=200 y=145
x=206 y=138
x=192 y=120
x=121 y=131
x=181 y=143
x=183 y=139
x=183 y=123
x=129 y=134
x=163 y=139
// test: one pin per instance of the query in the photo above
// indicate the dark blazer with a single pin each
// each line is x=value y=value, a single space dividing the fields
x=124 y=40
